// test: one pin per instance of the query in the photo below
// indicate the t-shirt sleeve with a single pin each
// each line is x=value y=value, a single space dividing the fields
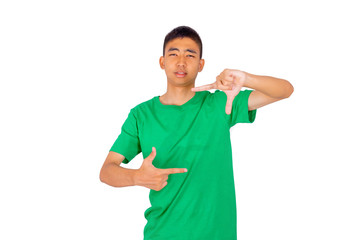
x=240 y=112
x=128 y=142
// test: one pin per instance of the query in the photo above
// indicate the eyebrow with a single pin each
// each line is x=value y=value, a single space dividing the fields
x=177 y=49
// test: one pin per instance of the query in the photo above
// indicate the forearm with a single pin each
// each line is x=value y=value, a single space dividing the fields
x=116 y=176
x=271 y=86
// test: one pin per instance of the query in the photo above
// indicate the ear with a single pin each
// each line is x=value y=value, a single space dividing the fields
x=161 y=62
x=201 y=64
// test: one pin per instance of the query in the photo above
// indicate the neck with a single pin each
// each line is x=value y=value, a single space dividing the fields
x=177 y=95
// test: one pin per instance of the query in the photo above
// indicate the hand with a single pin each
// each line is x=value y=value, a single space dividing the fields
x=230 y=81
x=154 y=178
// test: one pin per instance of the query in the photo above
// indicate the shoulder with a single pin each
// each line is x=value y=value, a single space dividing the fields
x=143 y=106
x=217 y=96
x=222 y=96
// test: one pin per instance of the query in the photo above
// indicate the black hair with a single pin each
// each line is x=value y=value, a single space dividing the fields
x=181 y=32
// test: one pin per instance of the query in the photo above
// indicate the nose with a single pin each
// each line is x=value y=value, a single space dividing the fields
x=181 y=61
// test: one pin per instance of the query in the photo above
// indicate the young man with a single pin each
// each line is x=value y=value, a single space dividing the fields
x=187 y=128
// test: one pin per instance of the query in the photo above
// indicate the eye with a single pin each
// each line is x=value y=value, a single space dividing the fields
x=190 y=56
x=172 y=54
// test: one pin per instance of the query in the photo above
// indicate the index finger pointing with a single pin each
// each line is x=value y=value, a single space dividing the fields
x=203 y=88
x=175 y=170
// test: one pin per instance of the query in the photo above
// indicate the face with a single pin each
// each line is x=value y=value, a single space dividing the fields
x=181 y=61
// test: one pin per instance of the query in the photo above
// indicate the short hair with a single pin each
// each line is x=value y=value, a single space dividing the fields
x=181 y=32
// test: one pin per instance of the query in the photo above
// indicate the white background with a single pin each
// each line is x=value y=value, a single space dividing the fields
x=71 y=71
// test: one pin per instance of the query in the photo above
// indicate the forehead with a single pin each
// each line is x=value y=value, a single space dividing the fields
x=183 y=43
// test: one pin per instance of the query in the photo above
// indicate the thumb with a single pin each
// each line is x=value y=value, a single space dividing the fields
x=152 y=155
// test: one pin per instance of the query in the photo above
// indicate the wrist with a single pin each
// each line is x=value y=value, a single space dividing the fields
x=136 y=178
x=249 y=80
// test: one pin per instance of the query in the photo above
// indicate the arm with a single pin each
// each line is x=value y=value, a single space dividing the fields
x=114 y=175
x=266 y=90
x=146 y=176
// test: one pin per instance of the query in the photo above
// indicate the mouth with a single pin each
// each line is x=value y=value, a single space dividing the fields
x=180 y=74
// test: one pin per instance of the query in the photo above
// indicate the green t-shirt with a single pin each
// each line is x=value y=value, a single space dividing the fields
x=198 y=204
